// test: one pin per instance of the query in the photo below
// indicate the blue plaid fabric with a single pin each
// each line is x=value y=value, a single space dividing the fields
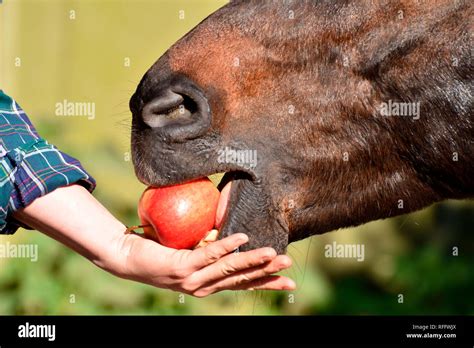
x=30 y=167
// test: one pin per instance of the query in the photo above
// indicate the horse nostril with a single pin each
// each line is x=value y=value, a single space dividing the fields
x=178 y=114
x=169 y=108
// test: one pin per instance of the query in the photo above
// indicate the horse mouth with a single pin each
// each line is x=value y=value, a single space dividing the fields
x=229 y=186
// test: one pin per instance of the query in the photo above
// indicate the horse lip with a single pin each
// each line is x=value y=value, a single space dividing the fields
x=235 y=178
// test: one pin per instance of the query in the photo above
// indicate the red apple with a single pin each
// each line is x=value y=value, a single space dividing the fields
x=179 y=216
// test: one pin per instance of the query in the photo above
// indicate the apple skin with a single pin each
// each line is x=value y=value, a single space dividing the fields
x=181 y=215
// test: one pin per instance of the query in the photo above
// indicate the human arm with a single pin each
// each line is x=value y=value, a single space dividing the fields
x=74 y=217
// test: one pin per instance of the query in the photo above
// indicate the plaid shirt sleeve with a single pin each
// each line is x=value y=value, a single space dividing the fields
x=30 y=167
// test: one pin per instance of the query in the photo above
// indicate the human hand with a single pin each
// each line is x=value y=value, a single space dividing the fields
x=202 y=271
x=74 y=217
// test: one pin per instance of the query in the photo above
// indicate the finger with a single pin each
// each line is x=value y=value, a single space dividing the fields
x=224 y=276
x=233 y=263
x=271 y=282
x=209 y=254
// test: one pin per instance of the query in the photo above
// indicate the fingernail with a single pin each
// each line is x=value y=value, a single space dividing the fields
x=290 y=285
x=242 y=238
x=268 y=255
x=286 y=262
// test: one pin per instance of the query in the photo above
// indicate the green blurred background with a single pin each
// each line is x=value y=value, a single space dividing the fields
x=97 y=51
